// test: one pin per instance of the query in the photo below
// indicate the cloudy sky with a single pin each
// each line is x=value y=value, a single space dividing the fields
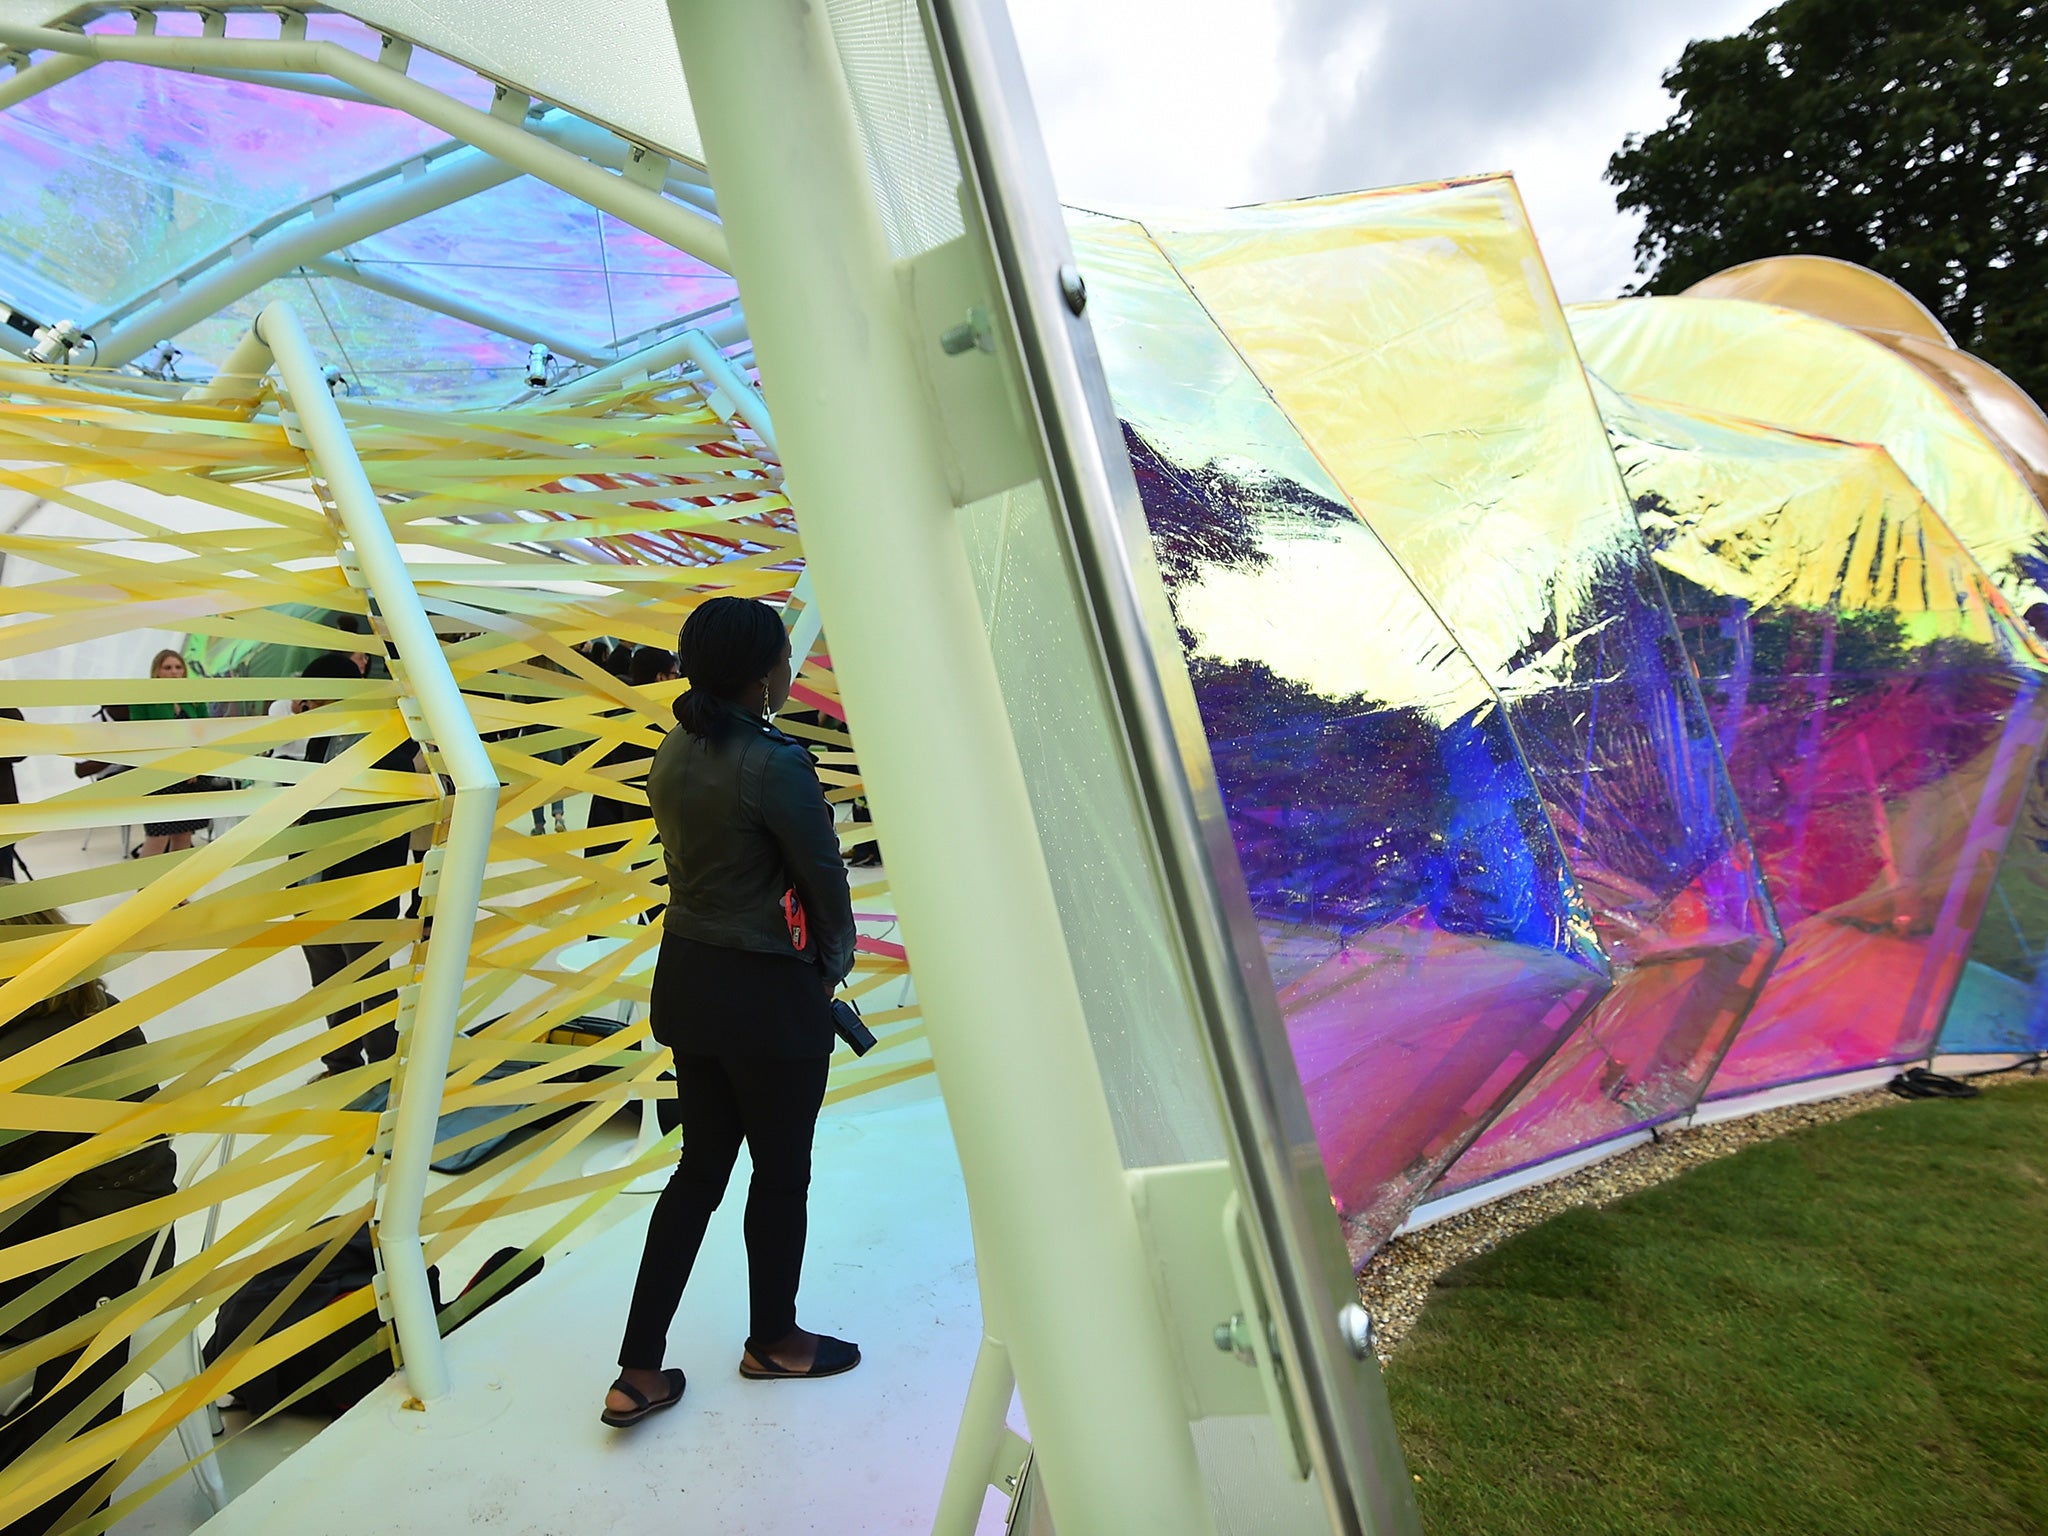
x=1193 y=102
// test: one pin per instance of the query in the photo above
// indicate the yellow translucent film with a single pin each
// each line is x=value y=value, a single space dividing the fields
x=166 y=1132
x=1801 y=373
x=1879 y=308
x=1780 y=518
x=1178 y=378
x=1412 y=339
x=1998 y=407
x=1833 y=289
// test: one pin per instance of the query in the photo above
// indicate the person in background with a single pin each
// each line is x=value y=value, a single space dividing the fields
x=555 y=755
x=31 y=1405
x=324 y=961
x=368 y=663
x=757 y=936
x=11 y=867
x=651 y=666
x=168 y=836
x=597 y=649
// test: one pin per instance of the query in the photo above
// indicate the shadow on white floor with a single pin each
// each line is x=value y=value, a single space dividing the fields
x=518 y=1449
x=891 y=1265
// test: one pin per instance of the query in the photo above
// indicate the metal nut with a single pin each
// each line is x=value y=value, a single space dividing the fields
x=1072 y=288
x=1355 y=1324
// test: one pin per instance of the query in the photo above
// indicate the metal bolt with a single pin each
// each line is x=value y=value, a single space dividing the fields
x=1235 y=1338
x=972 y=333
x=1355 y=1324
x=1072 y=289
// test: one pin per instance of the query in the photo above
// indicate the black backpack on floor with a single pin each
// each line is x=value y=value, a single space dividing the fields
x=352 y=1268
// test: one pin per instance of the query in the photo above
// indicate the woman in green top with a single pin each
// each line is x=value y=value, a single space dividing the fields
x=168 y=836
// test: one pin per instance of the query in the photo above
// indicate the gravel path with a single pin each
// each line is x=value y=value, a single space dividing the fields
x=1396 y=1285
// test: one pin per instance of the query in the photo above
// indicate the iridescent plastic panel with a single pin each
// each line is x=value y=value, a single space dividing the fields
x=1413 y=339
x=1804 y=374
x=1419 y=920
x=525 y=248
x=2001 y=1002
x=117 y=178
x=122 y=176
x=1879 y=710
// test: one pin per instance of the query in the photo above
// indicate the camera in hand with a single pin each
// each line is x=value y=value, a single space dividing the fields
x=847 y=1022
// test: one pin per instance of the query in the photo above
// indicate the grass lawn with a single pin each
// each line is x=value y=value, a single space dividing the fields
x=1842 y=1332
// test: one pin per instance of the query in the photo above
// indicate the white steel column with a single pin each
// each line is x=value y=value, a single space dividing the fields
x=278 y=335
x=33 y=79
x=1063 y=1270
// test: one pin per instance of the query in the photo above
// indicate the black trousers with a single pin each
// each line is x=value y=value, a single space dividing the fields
x=324 y=961
x=772 y=1104
x=48 y=1405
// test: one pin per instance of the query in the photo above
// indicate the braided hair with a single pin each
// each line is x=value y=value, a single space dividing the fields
x=727 y=645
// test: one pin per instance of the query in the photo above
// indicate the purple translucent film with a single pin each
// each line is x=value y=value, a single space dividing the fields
x=124 y=176
x=550 y=258
x=1419 y=924
x=1425 y=939
x=1626 y=756
x=1414 y=342
x=1880 y=779
x=1878 y=714
x=119 y=177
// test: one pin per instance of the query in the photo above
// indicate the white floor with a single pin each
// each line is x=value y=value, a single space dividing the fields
x=891 y=1266
x=519 y=1449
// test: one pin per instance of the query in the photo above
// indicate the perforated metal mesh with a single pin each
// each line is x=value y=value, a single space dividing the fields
x=902 y=122
x=1091 y=826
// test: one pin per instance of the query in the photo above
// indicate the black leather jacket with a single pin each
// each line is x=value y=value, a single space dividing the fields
x=742 y=820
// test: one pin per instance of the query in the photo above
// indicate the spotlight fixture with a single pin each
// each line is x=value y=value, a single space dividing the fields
x=337 y=381
x=162 y=362
x=62 y=343
x=539 y=364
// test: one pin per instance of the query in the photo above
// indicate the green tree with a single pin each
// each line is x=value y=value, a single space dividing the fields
x=1905 y=135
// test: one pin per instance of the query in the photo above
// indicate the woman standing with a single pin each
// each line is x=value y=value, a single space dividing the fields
x=168 y=836
x=757 y=936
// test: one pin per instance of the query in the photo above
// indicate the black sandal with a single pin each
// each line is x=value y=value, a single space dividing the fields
x=642 y=1405
x=834 y=1357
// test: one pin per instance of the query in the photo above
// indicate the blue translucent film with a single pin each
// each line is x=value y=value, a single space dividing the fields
x=1427 y=943
x=1413 y=340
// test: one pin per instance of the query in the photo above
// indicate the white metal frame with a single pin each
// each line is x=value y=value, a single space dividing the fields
x=244 y=240
x=452 y=885
x=448 y=180
x=33 y=79
x=421 y=296
x=1066 y=1282
x=305 y=235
